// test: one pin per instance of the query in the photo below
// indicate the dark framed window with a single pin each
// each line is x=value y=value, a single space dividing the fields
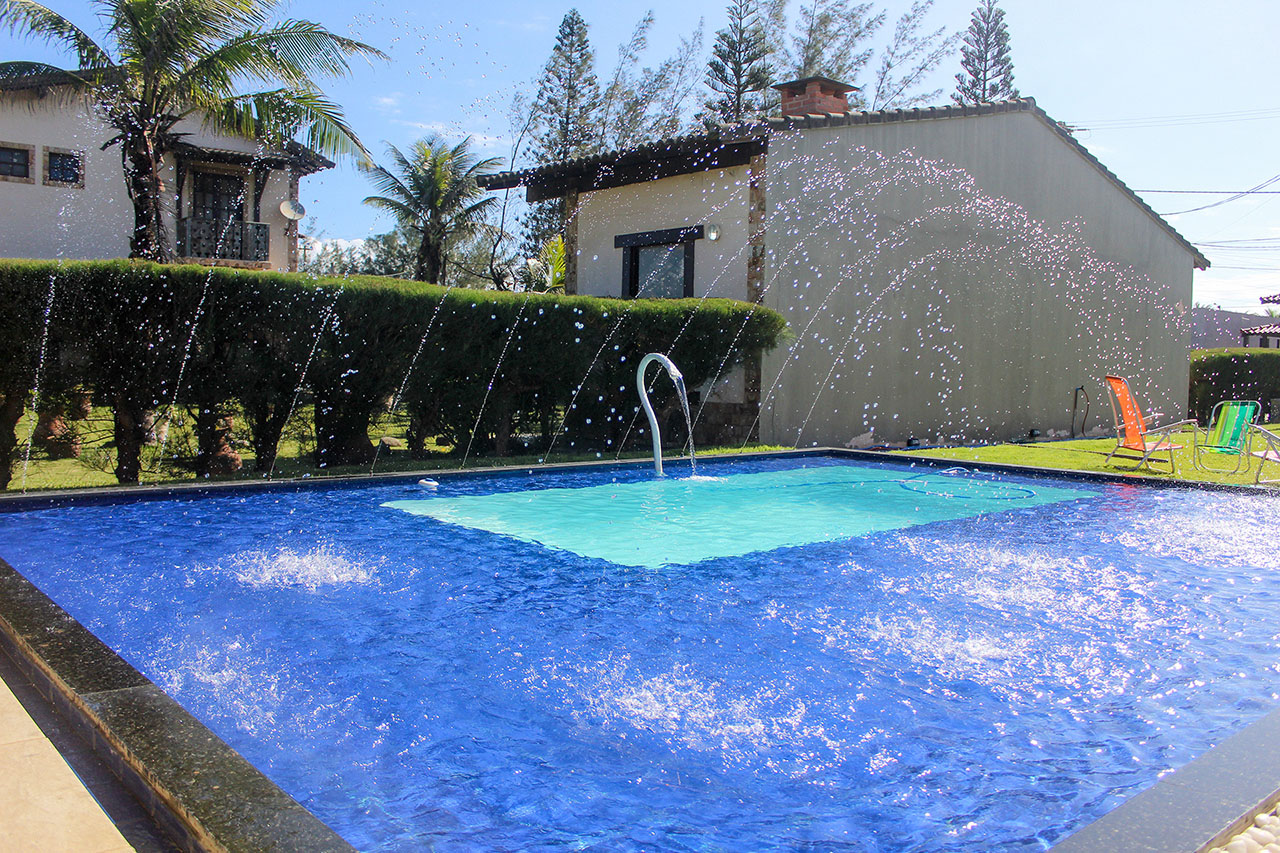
x=15 y=162
x=658 y=264
x=64 y=168
x=217 y=196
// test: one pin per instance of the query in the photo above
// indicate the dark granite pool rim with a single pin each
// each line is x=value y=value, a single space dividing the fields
x=108 y=495
x=203 y=794
x=209 y=798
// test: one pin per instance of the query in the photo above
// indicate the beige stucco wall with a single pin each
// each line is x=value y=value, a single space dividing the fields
x=957 y=279
x=95 y=221
x=717 y=197
x=40 y=221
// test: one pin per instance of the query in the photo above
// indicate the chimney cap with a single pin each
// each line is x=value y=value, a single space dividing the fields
x=797 y=87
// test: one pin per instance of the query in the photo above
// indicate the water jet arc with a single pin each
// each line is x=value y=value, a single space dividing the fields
x=678 y=378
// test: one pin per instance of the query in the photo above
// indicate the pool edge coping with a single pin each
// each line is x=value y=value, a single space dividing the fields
x=208 y=797
x=121 y=493
x=1201 y=805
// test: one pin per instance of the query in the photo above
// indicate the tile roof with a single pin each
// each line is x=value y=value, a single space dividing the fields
x=1268 y=329
x=719 y=138
x=1273 y=300
x=294 y=153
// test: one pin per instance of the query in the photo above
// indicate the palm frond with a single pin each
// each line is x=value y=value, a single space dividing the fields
x=402 y=211
x=292 y=52
x=43 y=23
x=280 y=115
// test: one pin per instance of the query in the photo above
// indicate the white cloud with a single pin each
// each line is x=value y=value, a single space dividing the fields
x=486 y=143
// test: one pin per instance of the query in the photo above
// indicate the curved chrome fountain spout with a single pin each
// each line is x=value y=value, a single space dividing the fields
x=678 y=378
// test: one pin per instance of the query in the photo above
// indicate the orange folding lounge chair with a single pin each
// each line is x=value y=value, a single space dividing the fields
x=1132 y=434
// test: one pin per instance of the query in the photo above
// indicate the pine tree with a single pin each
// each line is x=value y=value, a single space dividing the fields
x=738 y=69
x=568 y=98
x=565 y=121
x=988 y=68
x=908 y=58
x=828 y=39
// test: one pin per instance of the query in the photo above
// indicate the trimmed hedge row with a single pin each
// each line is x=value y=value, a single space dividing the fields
x=485 y=365
x=1234 y=374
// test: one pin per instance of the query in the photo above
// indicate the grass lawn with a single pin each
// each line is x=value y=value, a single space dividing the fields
x=1090 y=455
x=93 y=468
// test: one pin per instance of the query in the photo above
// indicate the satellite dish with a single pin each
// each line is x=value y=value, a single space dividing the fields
x=292 y=209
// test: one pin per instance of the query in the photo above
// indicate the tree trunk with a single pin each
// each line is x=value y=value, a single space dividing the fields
x=267 y=423
x=11 y=408
x=341 y=437
x=423 y=267
x=142 y=174
x=502 y=430
x=214 y=454
x=130 y=436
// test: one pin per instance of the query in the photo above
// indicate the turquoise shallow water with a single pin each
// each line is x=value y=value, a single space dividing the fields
x=687 y=520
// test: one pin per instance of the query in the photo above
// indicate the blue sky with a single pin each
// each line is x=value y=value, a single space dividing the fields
x=1172 y=95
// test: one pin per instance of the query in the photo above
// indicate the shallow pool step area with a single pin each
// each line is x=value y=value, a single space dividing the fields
x=1201 y=807
x=201 y=793
x=678 y=521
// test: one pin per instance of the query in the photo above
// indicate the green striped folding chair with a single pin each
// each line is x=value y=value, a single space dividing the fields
x=1227 y=436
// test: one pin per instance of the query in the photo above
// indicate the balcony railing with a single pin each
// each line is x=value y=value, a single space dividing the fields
x=223 y=239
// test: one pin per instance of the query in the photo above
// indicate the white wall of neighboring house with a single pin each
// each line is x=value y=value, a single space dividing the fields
x=76 y=223
x=38 y=220
x=1213 y=327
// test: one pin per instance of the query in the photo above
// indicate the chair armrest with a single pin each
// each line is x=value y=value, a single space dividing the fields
x=1173 y=426
x=1267 y=435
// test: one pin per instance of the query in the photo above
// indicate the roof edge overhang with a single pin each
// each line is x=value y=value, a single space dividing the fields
x=720 y=148
x=295 y=156
x=730 y=145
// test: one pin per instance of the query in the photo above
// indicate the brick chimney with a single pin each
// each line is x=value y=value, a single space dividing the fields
x=814 y=95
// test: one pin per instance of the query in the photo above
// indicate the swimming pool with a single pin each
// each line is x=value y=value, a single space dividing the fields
x=801 y=653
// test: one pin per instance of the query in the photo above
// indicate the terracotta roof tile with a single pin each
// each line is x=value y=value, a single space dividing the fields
x=1268 y=329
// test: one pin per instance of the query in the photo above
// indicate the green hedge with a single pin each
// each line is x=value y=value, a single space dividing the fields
x=142 y=336
x=1234 y=374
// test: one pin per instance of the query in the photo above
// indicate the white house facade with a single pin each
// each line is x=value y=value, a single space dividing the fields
x=229 y=200
x=948 y=274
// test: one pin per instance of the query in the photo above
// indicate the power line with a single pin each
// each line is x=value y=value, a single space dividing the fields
x=1236 y=197
x=1213 y=192
x=1138 y=122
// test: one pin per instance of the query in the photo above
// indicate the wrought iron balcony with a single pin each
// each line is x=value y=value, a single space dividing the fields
x=224 y=239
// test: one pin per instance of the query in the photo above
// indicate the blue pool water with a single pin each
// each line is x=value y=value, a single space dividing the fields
x=853 y=656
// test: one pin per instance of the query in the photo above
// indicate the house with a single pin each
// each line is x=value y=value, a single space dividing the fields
x=1212 y=328
x=63 y=192
x=1266 y=334
x=950 y=273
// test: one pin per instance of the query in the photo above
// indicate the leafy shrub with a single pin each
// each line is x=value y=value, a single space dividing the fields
x=1234 y=374
x=471 y=367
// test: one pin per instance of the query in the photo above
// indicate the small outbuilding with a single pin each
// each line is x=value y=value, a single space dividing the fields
x=948 y=274
x=1264 y=335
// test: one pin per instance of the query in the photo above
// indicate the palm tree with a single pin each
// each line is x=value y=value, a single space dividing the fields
x=169 y=60
x=433 y=191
